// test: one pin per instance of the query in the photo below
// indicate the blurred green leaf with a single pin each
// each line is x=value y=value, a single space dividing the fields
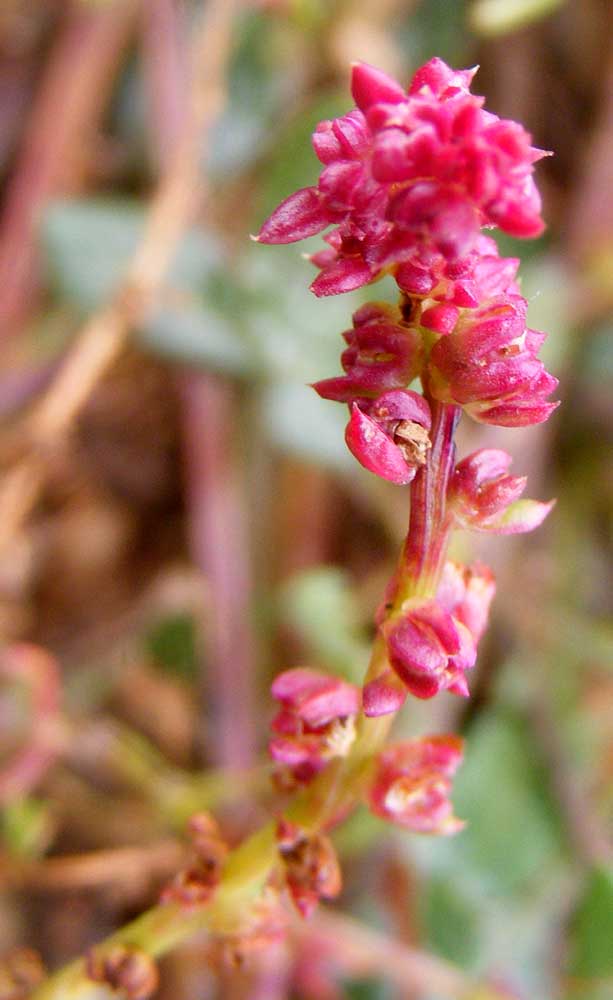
x=366 y=989
x=255 y=96
x=320 y=606
x=195 y=334
x=451 y=921
x=592 y=947
x=513 y=834
x=300 y=423
x=497 y=17
x=89 y=242
x=436 y=28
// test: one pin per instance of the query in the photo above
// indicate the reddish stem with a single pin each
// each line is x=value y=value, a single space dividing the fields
x=424 y=550
x=218 y=540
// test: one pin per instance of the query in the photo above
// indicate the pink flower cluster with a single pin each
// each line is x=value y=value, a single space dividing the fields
x=409 y=181
x=410 y=178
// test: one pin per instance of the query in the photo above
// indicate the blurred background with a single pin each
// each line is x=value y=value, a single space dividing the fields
x=180 y=520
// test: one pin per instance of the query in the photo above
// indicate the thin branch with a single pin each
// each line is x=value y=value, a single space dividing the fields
x=362 y=951
x=104 y=335
x=98 y=869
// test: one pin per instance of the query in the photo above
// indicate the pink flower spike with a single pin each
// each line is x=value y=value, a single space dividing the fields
x=412 y=784
x=383 y=695
x=302 y=214
x=372 y=86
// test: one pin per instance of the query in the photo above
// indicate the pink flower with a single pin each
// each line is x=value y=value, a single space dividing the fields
x=408 y=177
x=412 y=784
x=489 y=365
x=390 y=436
x=482 y=496
x=432 y=643
x=315 y=721
x=382 y=353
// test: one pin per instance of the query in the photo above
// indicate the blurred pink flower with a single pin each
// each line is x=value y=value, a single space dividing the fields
x=412 y=784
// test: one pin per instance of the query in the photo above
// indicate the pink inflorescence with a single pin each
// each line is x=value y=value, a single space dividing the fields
x=410 y=180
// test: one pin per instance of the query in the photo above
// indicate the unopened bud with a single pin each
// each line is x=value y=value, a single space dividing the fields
x=128 y=970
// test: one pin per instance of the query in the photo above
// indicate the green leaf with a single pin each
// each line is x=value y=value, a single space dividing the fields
x=301 y=424
x=27 y=827
x=498 y=17
x=366 y=989
x=193 y=333
x=89 y=242
x=255 y=96
x=319 y=605
x=451 y=921
x=592 y=950
x=513 y=833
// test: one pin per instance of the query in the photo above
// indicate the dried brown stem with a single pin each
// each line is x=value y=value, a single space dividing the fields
x=103 y=336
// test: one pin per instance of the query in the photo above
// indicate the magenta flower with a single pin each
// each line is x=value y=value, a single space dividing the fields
x=412 y=784
x=382 y=353
x=390 y=436
x=482 y=496
x=315 y=721
x=409 y=176
x=489 y=365
x=432 y=643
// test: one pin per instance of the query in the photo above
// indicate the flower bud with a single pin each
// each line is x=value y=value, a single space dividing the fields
x=381 y=354
x=312 y=871
x=128 y=971
x=315 y=722
x=483 y=497
x=391 y=438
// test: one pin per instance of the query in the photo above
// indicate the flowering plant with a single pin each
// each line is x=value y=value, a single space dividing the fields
x=410 y=181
